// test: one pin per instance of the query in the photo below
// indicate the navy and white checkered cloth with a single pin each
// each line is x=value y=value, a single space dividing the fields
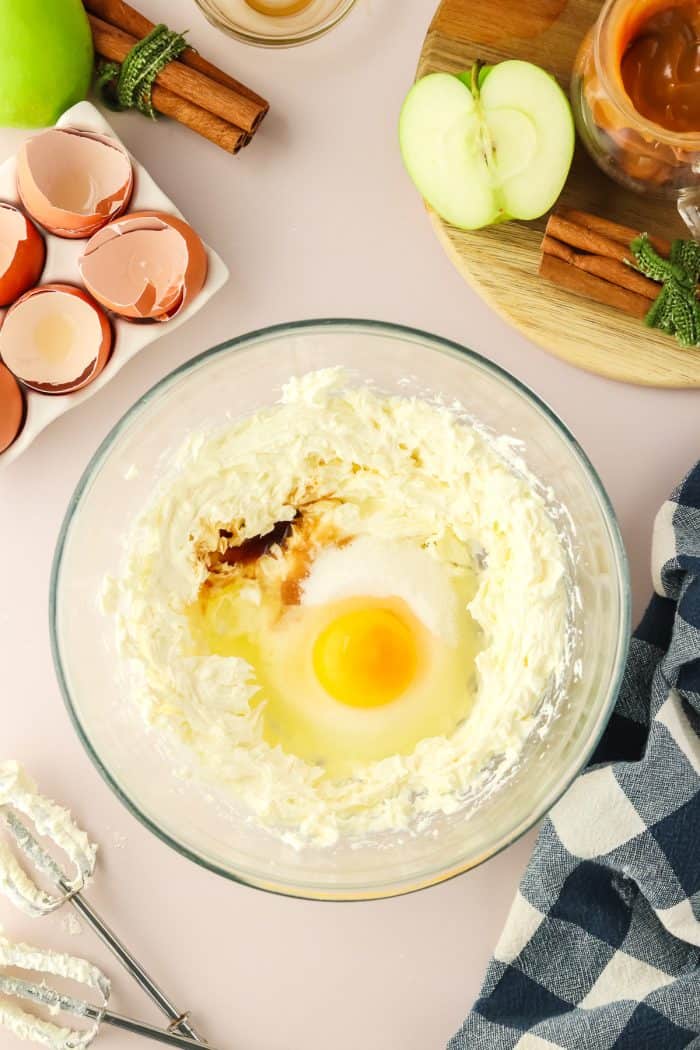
x=602 y=946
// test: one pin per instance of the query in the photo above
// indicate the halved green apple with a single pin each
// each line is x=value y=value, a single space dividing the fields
x=490 y=145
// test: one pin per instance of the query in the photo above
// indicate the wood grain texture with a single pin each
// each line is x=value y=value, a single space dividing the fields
x=501 y=262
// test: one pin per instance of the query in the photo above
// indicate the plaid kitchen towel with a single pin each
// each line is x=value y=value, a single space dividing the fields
x=602 y=945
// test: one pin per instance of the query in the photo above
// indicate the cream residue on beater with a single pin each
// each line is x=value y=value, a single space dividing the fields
x=30 y=1027
x=19 y=794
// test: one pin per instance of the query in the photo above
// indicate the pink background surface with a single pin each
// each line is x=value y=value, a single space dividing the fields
x=315 y=219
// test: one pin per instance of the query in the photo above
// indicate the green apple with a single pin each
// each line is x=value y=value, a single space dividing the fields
x=45 y=60
x=489 y=145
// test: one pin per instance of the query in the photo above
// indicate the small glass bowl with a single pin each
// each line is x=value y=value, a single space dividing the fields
x=242 y=21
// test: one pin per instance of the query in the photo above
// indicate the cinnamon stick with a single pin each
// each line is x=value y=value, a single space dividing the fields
x=591 y=256
x=587 y=240
x=114 y=44
x=129 y=20
x=220 y=132
x=591 y=287
x=613 y=230
x=618 y=273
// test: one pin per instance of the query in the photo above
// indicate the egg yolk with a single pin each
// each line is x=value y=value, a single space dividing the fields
x=366 y=657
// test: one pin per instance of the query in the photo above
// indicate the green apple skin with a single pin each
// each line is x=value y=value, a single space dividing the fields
x=46 y=58
x=484 y=153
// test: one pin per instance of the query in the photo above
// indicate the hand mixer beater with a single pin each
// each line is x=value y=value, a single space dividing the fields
x=46 y=1032
x=20 y=803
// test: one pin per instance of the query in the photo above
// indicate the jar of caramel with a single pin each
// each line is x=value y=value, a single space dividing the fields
x=636 y=98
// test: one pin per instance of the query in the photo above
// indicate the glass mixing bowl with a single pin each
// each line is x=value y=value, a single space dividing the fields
x=240 y=377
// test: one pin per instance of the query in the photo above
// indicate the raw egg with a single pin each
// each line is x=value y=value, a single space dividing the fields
x=55 y=339
x=379 y=653
x=12 y=412
x=367 y=656
x=73 y=182
x=22 y=254
x=145 y=266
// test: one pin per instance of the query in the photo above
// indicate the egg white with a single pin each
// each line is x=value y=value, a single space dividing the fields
x=304 y=719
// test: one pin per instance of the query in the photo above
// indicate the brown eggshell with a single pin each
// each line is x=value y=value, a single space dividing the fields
x=12 y=409
x=73 y=182
x=22 y=254
x=55 y=339
x=146 y=266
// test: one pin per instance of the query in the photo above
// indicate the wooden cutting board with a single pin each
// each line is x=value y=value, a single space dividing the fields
x=501 y=262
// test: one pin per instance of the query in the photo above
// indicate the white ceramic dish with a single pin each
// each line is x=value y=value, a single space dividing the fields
x=62 y=265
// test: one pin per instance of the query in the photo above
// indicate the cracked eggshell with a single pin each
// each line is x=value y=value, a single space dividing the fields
x=22 y=254
x=55 y=339
x=12 y=408
x=144 y=266
x=73 y=182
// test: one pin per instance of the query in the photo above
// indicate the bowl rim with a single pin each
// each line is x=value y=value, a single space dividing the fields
x=248 y=340
x=256 y=39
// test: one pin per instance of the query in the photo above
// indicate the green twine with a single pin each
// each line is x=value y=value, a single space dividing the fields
x=129 y=85
x=676 y=309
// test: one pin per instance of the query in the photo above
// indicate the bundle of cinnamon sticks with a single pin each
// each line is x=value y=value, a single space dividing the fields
x=190 y=89
x=591 y=256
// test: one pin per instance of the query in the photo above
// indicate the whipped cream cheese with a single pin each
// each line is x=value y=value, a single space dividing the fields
x=393 y=468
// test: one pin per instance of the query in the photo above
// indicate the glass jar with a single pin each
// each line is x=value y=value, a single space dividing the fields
x=630 y=147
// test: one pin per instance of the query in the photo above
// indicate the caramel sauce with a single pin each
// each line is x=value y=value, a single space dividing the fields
x=280 y=9
x=660 y=67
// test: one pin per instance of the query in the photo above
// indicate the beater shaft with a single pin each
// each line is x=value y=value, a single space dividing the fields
x=56 y=1001
x=178 y=1019
x=127 y=1024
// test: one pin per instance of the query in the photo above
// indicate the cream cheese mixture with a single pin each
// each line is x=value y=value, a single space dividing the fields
x=346 y=606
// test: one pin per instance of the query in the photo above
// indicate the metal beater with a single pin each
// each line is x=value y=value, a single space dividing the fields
x=19 y=798
x=47 y=1033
